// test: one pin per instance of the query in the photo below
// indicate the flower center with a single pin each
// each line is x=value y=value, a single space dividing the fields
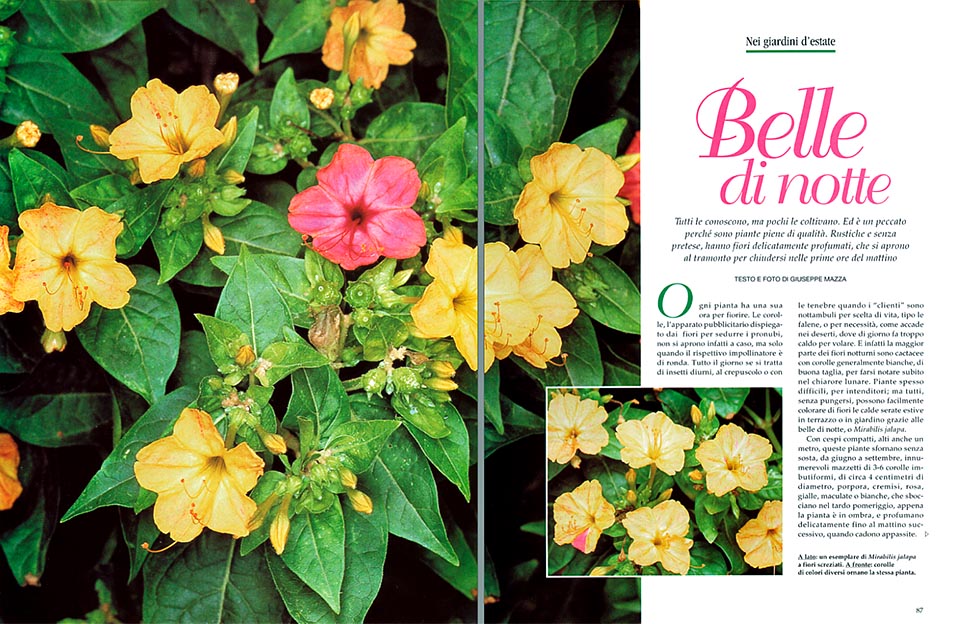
x=356 y=215
x=733 y=463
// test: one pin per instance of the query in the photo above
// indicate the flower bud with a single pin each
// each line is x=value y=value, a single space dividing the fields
x=696 y=414
x=631 y=477
x=442 y=369
x=627 y=161
x=406 y=380
x=322 y=98
x=212 y=236
x=274 y=442
x=374 y=380
x=280 y=530
x=696 y=475
x=226 y=84
x=326 y=331
x=229 y=131
x=401 y=278
x=245 y=356
x=348 y=478
x=631 y=497
x=602 y=570
x=256 y=520
x=53 y=341
x=100 y=135
x=197 y=168
x=443 y=385
x=28 y=134
x=360 y=502
x=233 y=177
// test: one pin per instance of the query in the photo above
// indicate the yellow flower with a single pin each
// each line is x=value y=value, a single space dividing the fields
x=581 y=516
x=734 y=459
x=571 y=201
x=380 y=42
x=10 y=487
x=167 y=129
x=66 y=260
x=762 y=538
x=199 y=483
x=7 y=276
x=553 y=305
x=574 y=424
x=659 y=534
x=508 y=317
x=448 y=306
x=656 y=440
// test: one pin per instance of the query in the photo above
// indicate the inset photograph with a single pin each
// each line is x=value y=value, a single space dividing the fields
x=664 y=481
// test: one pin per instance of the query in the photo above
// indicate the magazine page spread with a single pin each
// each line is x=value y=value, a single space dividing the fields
x=797 y=170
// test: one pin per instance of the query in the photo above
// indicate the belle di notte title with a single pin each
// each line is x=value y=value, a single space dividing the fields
x=734 y=133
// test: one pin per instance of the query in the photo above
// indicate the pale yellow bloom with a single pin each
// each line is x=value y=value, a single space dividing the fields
x=167 y=129
x=322 y=97
x=66 y=260
x=378 y=43
x=574 y=424
x=198 y=481
x=7 y=276
x=761 y=539
x=734 y=459
x=655 y=439
x=581 y=516
x=571 y=201
x=659 y=534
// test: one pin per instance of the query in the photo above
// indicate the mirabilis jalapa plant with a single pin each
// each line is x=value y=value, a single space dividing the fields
x=223 y=273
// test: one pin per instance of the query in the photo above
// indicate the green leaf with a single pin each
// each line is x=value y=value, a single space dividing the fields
x=288 y=106
x=401 y=480
x=139 y=343
x=20 y=350
x=315 y=552
x=458 y=19
x=251 y=302
x=728 y=401
x=360 y=441
x=139 y=212
x=365 y=551
x=289 y=277
x=26 y=529
x=502 y=187
x=443 y=169
x=122 y=67
x=236 y=156
x=605 y=293
x=535 y=53
x=450 y=454
x=115 y=483
x=605 y=138
x=44 y=86
x=84 y=165
x=262 y=229
x=383 y=334
x=224 y=341
x=583 y=364
x=81 y=26
x=287 y=357
x=137 y=529
x=406 y=129
x=208 y=581
x=194 y=362
x=461 y=577
x=66 y=413
x=301 y=30
x=517 y=423
x=318 y=396
x=229 y=24
x=706 y=560
x=101 y=191
x=176 y=249
x=36 y=175
x=706 y=522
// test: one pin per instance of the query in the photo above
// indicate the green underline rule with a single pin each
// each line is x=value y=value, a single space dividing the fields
x=790 y=51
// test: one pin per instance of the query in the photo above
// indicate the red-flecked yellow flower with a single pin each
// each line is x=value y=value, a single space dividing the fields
x=448 y=306
x=734 y=459
x=571 y=201
x=655 y=439
x=167 y=129
x=198 y=481
x=10 y=488
x=380 y=40
x=581 y=516
x=66 y=260
x=574 y=424
x=7 y=276
x=553 y=305
x=659 y=534
x=761 y=539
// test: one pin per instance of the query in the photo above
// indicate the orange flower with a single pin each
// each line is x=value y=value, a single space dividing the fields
x=656 y=440
x=66 y=260
x=7 y=277
x=167 y=129
x=734 y=459
x=379 y=42
x=198 y=481
x=761 y=539
x=571 y=201
x=659 y=534
x=10 y=488
x=581 y=516
x=574 y=424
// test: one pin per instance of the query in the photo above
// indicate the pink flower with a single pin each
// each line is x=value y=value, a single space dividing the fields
x=360 y=209
x=631 y=181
